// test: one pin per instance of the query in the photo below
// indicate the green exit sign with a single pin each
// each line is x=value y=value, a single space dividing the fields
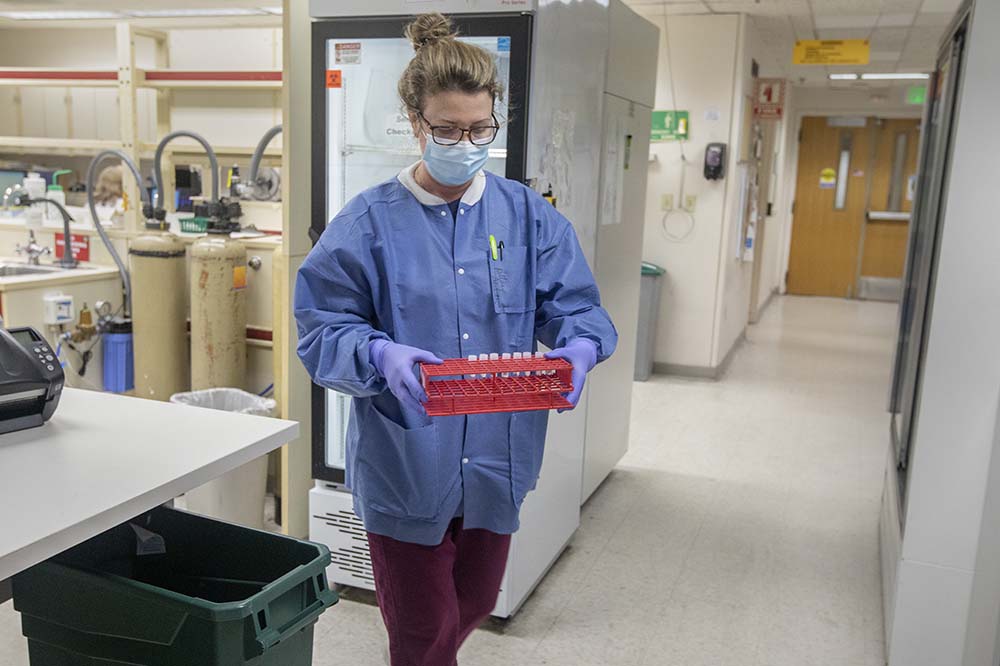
x=670 y=126
x=916 y=95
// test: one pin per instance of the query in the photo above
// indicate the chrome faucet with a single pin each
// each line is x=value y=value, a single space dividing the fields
x=32 y=249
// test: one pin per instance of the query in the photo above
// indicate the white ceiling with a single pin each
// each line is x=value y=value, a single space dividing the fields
x=904 y=34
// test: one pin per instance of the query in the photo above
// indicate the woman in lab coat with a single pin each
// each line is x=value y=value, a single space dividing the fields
x=443 y=261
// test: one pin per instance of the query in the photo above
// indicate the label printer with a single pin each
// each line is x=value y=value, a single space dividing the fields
x=31 y=380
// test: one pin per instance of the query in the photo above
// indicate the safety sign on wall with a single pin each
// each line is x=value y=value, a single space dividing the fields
x=769 y=99
x=827 y=179
x=670 y=126
x=831 y=52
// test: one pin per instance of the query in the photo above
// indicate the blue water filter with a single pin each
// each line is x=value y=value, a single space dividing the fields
x=119 y=371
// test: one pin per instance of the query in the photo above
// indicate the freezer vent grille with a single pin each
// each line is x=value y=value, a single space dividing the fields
x=353 y=558
x=346 y=522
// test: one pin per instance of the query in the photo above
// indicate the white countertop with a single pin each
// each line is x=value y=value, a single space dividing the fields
x=104 y=459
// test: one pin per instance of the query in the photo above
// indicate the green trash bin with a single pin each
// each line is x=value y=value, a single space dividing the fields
x=172 y=588
x=649 y=314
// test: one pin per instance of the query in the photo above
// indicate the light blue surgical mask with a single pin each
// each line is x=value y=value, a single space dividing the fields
x=454 y=165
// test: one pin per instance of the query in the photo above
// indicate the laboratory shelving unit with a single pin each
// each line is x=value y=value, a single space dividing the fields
x=128 y=79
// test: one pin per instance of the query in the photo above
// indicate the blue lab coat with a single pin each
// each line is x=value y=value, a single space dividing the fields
x=395 y=264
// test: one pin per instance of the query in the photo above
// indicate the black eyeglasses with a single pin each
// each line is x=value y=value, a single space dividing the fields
x=449 y=135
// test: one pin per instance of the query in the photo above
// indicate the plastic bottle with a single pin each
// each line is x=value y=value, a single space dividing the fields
x=55 y=193
x=34 y=185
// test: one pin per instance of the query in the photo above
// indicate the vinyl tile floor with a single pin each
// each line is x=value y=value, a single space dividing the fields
x=740 y=529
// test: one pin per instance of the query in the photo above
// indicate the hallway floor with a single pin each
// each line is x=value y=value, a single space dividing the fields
x=740 y=529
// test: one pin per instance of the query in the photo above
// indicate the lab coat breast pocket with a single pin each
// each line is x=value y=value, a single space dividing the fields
x=512 y=280
x=398 y=470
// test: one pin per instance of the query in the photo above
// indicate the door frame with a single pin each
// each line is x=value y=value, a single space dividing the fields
x=790 y=176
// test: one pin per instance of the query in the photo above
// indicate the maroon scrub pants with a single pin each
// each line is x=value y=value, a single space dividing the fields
x=433 y=597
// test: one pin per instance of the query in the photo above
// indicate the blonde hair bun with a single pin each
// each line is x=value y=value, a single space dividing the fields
x=428 y=29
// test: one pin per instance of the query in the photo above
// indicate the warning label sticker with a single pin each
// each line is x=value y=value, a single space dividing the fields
x=348 y=53
x=240 y=278
x=334 y=78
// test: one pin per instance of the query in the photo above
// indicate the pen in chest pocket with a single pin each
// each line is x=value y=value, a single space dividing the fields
x=496 y=249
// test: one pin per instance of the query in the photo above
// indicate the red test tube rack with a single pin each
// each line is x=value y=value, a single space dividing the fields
x=488 y=386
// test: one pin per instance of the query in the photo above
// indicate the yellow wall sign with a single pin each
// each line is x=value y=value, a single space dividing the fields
x=831 y=52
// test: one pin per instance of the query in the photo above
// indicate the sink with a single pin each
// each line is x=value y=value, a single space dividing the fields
x=11 y=269
x=8 y=270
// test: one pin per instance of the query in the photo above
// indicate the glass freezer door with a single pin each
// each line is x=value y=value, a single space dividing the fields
x=369 y=136
x=364 y=137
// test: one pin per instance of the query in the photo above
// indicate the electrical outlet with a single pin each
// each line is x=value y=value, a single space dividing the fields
x=666 y=202
x=689 y=202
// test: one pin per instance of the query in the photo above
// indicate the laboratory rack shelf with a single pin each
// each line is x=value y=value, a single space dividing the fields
x=249 y=79
x=486 y=386
x=50 y=76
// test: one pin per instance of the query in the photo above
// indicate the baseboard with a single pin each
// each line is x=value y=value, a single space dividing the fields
x=767 y=302
x=701 y=371
x=693 y=371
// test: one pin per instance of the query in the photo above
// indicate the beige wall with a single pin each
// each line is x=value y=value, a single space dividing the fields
x=706 y=295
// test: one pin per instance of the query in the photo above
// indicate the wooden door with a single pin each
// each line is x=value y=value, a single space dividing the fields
x=825 y=238
x=884 y=253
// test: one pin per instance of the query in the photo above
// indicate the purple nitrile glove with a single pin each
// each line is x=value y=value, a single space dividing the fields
x=395 y=363
x=582 y=353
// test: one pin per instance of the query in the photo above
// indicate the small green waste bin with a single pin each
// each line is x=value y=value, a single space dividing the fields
x=171 y=588
x=649 y=314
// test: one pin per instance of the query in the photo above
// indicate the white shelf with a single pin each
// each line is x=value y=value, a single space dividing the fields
x=53 y=146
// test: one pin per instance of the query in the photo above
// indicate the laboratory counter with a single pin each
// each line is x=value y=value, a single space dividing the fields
x=103 y=459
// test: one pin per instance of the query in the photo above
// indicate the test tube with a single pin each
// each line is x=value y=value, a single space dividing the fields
x=540 y=356
x=506 y=357
x=517 y=357
x=472 y=359
x=484 y=357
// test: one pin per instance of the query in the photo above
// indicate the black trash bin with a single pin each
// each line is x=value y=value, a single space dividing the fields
x=171 y=588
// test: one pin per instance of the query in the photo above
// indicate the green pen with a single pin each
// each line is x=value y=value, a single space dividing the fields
x=493 y=247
